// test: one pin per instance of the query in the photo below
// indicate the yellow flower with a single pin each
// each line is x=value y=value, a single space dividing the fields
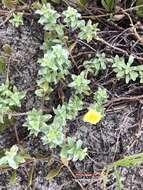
x=92 y=116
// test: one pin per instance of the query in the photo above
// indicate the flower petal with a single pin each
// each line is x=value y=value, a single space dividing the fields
x=92 y=116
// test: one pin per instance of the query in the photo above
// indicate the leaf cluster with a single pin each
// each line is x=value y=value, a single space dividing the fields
x=100 y=97
x=127 y=70
x=72 y=18
x=88 y=31
x=36 y=121
x=12 y=158
x=72 y=150
x=80 y=83
x=10 y=97
x=54 y=135
x=17 y=19
x=96 y=64
x=48 y=18
x=54 y=67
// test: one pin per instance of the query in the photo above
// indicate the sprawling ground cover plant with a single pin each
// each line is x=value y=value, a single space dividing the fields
x=55 y=69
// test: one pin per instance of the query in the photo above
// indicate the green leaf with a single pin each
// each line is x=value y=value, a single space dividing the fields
x=17 y=19
x=3 y=160
x=109 y=5
x=53 y=173
x=44 y=1
x=129 y=161
x=130 y=60
x=36 y=121
x=118 y=179
x=80 y=83
x=2 y=64
x=101 y=96
x=36 y=5
x=97 y=64
x=71 y=18
x=72 y=150
x=13 y=178
x=139 y=10
x=120 y=74
x=12 y=158
x=133 y=75
x=83 y=2
x=88 y=31
x=56 y=1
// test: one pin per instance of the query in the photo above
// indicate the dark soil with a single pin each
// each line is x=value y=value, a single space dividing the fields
x=119 y=134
